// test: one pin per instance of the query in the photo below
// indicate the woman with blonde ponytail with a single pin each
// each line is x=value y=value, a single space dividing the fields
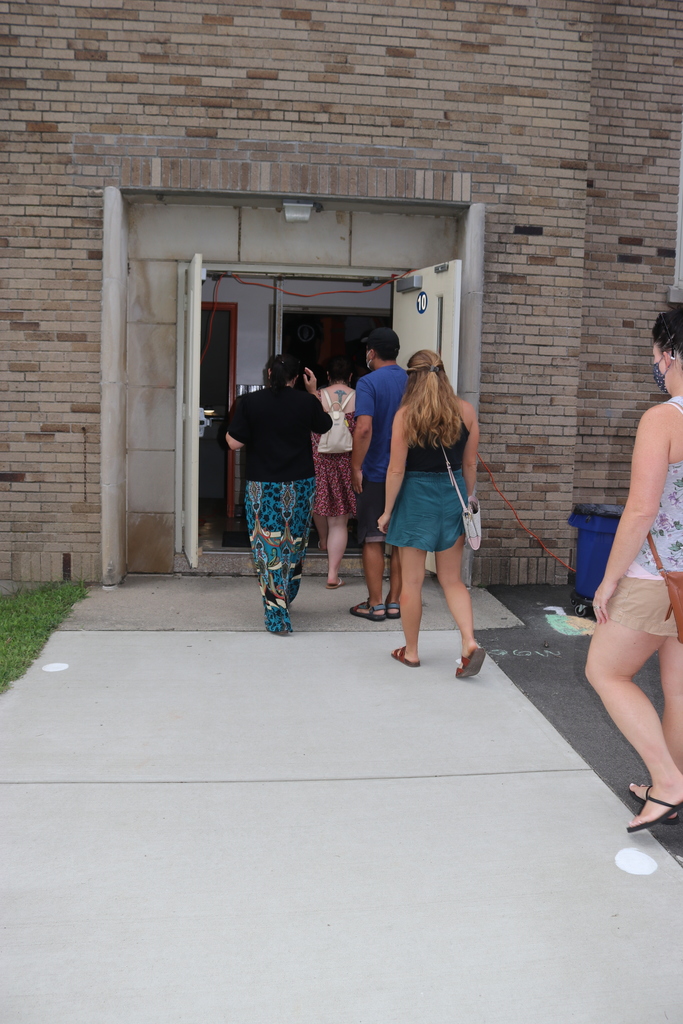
x=422 y=512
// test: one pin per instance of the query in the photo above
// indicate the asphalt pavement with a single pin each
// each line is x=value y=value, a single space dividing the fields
x=545 y=658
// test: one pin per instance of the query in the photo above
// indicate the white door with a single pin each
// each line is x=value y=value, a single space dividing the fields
x=193 y=327
x=427 y=314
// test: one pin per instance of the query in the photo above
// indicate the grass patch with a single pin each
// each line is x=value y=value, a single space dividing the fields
x=26 y=621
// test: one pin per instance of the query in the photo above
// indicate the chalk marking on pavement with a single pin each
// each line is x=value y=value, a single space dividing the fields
x=635 y=862
x=571 y=625
x=524 y=654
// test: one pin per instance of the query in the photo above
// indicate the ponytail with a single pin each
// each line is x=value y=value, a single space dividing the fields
x=433 y=414
x=283 y=370
x=667 y=332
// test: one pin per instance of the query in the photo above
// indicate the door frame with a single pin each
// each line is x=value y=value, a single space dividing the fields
x=470 y=251
x=469 y=247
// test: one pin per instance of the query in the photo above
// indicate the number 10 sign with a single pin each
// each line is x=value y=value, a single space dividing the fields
x=422 y=302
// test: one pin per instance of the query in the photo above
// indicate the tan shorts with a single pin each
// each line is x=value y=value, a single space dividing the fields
x=643 y=605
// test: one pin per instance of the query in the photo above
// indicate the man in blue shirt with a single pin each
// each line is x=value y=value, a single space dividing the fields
x=378 y=396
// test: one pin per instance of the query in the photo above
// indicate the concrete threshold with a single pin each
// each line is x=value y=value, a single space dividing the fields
x=235 y=562
x=234 y=603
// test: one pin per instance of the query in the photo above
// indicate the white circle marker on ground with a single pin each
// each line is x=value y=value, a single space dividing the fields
x=635 y=862
x=55 y=666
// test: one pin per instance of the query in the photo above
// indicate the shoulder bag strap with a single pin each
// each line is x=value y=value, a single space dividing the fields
x=451 y=476
x=655 y=555
x=329 y=400
x=350 y=396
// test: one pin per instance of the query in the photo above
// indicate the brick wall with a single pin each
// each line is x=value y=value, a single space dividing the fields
x=514 y=106
x=631 y=214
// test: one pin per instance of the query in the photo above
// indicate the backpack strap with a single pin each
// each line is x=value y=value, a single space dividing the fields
x=342 y=405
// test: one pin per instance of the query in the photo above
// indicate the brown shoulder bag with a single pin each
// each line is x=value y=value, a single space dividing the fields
x=674 y=585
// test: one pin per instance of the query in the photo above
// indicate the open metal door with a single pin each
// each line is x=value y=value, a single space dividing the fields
x=193 y=328
x=427 y=314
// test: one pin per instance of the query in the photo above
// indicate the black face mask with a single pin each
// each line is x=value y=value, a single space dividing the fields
x=660 y=378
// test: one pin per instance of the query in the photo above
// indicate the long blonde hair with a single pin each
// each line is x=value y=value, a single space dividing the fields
x=433 y=414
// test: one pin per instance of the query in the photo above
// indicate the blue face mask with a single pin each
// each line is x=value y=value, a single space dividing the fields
x=660 y=378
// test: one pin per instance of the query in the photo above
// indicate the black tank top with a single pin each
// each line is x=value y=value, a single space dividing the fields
x=431 y=460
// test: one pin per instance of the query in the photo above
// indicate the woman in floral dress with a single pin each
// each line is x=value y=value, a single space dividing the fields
x=335 y=499
x=632 y=603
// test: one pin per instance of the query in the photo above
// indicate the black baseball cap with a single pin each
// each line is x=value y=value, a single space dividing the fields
x=384 y=342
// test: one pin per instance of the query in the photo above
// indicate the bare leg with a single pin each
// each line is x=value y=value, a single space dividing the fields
x=394 y=577
x=671 y=670
x=412 y=574
x=616 y=653
x=337 y=539
x=373 y=567
x=321 y=527
x=448 y=571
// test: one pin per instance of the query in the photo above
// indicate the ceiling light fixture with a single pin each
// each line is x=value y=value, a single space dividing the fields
x=299 y=212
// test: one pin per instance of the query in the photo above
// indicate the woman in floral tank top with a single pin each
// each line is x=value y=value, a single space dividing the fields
x=632 y=602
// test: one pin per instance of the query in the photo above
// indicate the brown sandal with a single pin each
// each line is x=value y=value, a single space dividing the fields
x=470 y=666
x=400 y=655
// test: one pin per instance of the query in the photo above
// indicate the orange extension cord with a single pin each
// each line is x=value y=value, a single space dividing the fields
x=313 y=295
x=530 y=532
x=298 y=295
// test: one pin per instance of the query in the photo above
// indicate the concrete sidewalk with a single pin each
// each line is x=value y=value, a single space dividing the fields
x=211 y=827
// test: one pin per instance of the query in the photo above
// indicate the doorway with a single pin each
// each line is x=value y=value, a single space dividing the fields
x=317 y=336
x=315 y=318
x=235 y=349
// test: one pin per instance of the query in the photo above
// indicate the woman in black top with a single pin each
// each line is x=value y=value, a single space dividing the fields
x=274 y=426
x=422 y=511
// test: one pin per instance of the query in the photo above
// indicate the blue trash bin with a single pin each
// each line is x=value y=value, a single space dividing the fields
x=597 y=525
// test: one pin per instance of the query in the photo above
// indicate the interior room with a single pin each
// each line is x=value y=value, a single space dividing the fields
x=321 y=319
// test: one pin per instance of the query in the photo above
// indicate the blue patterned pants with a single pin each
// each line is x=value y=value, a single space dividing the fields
x=279 y=521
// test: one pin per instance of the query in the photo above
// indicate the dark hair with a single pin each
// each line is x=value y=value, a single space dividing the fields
x=339 y=371
x=384 y=342
x=283 y=370
x=667 y=332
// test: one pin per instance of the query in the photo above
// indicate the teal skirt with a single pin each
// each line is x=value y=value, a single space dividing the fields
x=427 y=514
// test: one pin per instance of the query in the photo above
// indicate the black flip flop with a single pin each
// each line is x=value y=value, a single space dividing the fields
x=660 y=819
x=671 y=820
